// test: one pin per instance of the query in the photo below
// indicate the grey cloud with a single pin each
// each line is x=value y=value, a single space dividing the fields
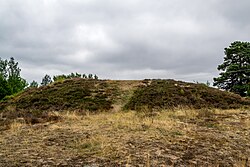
x=131 y=39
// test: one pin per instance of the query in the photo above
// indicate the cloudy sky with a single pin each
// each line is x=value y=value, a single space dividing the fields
x=116 y=39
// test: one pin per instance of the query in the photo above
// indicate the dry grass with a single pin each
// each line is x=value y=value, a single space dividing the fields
x=16 y=125
x=149 y=137
x=235 y=111
x=73 y=116
x=175 y=137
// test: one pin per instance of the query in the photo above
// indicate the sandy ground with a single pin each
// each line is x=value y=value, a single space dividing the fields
x=180 y=137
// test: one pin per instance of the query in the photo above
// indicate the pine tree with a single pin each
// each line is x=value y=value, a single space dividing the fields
x=235 y=75
x=34 y=84
x=46 y=80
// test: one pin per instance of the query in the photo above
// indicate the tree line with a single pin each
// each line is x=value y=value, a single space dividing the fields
x=234 y=75
x=12 y=83
x=46 y=80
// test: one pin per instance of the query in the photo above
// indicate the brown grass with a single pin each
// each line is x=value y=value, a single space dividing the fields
x=173 y=137
x=16 y=126
x=151 y=136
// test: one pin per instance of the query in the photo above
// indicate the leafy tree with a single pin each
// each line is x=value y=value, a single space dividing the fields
x=10 y=80
x=34 y=84
x=63 y=77
x=77 y=75
x=3 y=68
x=84 y=76
x=4 y=88
x=46 y=80
x=72 y=75
x=95 y=77
x=235 y=75
x=90 y=76
x=15 y=82
x=59 y=77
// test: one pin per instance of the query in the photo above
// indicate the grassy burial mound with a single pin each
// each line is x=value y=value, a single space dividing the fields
x=71 y=95
x=67 y=95
x=35 y=104
x=177 y=137
x=168 y=94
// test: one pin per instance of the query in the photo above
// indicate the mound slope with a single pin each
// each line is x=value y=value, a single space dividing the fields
x=67 y=95
x=167 y=94
x=102 y=95
x=74 y=94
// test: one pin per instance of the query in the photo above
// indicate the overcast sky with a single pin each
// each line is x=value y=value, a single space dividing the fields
x=116 y=39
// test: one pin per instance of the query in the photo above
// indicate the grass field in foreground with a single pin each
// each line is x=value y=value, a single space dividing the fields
x=180 y=137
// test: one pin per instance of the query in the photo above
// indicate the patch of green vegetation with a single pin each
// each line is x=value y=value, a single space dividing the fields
x=147 y=97
x=176 y=133
x=68 y=95
x=211 y=125
x=168 y=94
x=90 y=147
x=73 y=94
